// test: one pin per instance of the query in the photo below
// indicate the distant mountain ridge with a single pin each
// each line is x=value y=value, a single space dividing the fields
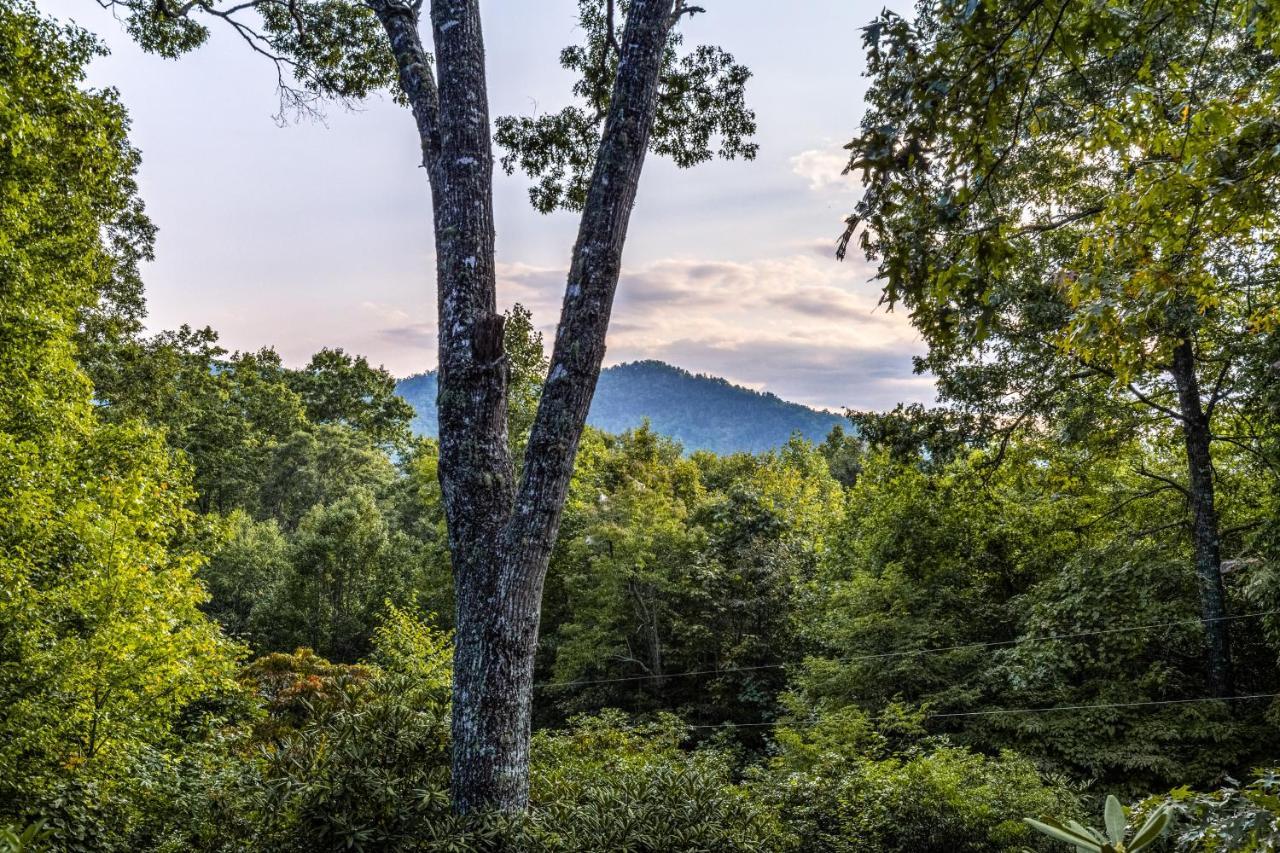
x=701 y=412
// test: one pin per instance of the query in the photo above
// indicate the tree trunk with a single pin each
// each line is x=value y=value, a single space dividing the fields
x=493 y=689
x=1197 y=435
x=500 y=537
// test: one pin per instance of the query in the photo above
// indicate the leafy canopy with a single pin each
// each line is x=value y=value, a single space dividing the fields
x=102 y=643
x=1098 y=172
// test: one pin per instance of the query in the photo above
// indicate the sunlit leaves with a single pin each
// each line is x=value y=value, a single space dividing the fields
x=102 y=643
x=1125 y=149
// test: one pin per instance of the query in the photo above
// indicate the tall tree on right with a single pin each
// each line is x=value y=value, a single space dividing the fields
x=1076 y=203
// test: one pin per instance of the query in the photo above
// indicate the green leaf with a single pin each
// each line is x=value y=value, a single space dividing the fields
x=1057 y=831
x=1084 y=830
x=1113 y=814
x=1152 y=829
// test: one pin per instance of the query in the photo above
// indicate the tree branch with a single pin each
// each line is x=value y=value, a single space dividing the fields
x=681 y=10
x=588 y=300
x=1163 y=479
x=1253 y=451
x=1134 y=498
x=400 y=21
x=1102 y=371
x=1153 y=404
x=1218 y=391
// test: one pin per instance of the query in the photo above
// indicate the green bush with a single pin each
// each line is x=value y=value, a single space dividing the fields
x=346 y=757
x=21 y=839
x=1240 y=819
x=843 y=786
x=606 y=784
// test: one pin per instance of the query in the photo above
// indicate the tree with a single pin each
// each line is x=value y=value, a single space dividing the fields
x=226 y=413
x=1075 y=201
x=250 y=558
x=843 y=453
x=526 y=371
x=622 y=571
x=102 y=643
x=345 y=563
x=927 y=437
x=670 y=565
x=638 y=94
x=319 y=467
x=962 y=586
x=337 y=388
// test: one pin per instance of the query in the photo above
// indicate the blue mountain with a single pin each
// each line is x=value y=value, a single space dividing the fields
x=701 y=412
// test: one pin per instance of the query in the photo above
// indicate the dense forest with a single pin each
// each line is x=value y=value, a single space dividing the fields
x=228 y=593
x=701 y=412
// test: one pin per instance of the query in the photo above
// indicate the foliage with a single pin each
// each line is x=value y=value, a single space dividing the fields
x=249 y=559
x=526 y=369
x=843 y=785
x=1089 y=840
x=928 y=437
x=670 y=565
x=225 y=414
x=701 y=96
x=358 y=760
x=344 y=561
x=905 y=638
x=337 y=388
x=965 y=589
x=605 y=784
x=342 y=757
x=103 y=648
x=1154 y=166
x=1243 y=818
x=23 y=839
x=843 y=453
x=1075 y=203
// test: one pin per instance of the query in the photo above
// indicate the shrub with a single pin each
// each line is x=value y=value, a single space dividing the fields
x=607 y=784
x=1240 y=819
x=935 y=797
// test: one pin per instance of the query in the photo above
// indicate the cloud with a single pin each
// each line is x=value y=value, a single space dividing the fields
x=805 y=327
x=822 y=302
x=836 y=376
x=823 y=168
x=417 y=335
x=395 y=326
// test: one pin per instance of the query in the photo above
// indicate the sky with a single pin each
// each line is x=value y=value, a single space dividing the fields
x=317 y=234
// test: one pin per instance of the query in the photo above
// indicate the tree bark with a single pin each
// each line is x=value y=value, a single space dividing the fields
x=1197 y=436
x=500 y=537
x=494 y=667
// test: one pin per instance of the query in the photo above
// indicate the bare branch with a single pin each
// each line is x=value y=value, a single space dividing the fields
x=681 y=10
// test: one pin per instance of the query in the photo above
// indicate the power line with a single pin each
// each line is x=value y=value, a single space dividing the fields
x=564 y=685
x=990 y=712
x=996 y=711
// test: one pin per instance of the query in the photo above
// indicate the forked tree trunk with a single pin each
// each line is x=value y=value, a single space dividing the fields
x=1197 y=436
x=501 y=533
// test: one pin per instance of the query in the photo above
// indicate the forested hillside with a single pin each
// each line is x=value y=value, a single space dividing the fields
x=232 y=600
x=700 y=412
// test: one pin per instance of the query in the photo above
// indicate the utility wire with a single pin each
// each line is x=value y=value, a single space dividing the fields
x=995 y=711
x=564 y=685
